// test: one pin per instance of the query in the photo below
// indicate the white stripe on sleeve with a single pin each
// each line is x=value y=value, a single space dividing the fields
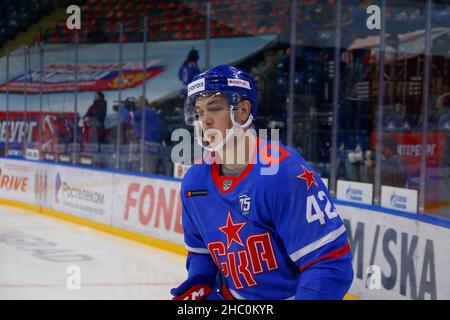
x=333 y=235
x=197 y=250
x=237 y=296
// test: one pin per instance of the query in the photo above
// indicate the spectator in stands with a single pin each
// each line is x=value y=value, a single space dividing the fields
x=436 y=113
x=263 y=8
x=65 y=129
x=443 y=105
x=94 y=119
x=265 y=76
x=307 y=30
x=441 y=16
x=397 y=119
x=351 y=25
x=393 y=169
x=12 y=28
x=283 y=61
x=125 y=117
x=189 y=69
x=2 y=35
x=282 y=77
x=152 y=132
x=165 y=164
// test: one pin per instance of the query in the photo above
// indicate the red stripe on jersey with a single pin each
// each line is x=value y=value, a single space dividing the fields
x=219 y=180
x=226 y=293
x=332 y=255
x=265 y=155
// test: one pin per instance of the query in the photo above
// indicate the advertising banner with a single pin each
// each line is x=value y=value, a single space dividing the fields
x=81 y=192
x=23 y=128
x=148 y=206
x=396 y=257
x=60 y=77
x=409 y=147
x=399 y=199
x=354 y=191
x=17 y=181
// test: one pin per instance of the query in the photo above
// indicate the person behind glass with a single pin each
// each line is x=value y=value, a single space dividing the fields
x=397 y=119
x=393 y=169
x=94 y=119
x=152 y=132
x=443 y=105
x=64 y=127
x=189 y=69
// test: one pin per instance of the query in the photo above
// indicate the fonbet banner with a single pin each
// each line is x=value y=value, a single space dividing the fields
x=148 y=206
x=396 y=257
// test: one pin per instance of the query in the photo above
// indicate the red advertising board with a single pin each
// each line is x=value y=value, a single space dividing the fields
x=409 y=147
x=24 y=127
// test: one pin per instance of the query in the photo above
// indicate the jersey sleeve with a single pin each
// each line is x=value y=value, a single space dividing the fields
x=192 y=237
x=313 y=233
x=306 y=219
x=199 y=261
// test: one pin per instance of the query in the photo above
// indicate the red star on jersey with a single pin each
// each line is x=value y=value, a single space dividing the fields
x=308 y=176
x=231 y=230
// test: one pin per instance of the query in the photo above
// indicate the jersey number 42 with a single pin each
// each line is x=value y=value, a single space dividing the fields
x=314 y=211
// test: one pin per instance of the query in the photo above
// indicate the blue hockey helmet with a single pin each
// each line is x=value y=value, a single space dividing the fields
x=234 y=83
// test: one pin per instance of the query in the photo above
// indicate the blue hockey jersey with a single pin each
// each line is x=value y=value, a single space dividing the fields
x=273 y=231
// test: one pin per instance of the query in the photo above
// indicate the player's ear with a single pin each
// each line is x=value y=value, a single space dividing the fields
x=244 y=111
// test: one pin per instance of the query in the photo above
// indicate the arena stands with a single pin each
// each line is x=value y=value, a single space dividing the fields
x=173 y=20
x=186 y=19
x=17 y=15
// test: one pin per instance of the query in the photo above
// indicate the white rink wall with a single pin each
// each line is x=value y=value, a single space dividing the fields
x=395 y=256
x=149 y=206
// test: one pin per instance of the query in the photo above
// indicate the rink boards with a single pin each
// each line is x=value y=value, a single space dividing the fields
x=396 y=255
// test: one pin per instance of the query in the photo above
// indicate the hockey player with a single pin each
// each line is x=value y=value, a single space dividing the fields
x=252 y=232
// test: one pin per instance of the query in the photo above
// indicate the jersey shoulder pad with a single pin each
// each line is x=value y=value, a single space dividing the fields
x=197 y=173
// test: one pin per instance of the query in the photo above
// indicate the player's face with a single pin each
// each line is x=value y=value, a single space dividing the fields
x=214 y=114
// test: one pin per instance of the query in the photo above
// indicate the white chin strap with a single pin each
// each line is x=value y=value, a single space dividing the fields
x=198 y=132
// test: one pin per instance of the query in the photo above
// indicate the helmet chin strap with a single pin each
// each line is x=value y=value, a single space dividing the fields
x=198 y=130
